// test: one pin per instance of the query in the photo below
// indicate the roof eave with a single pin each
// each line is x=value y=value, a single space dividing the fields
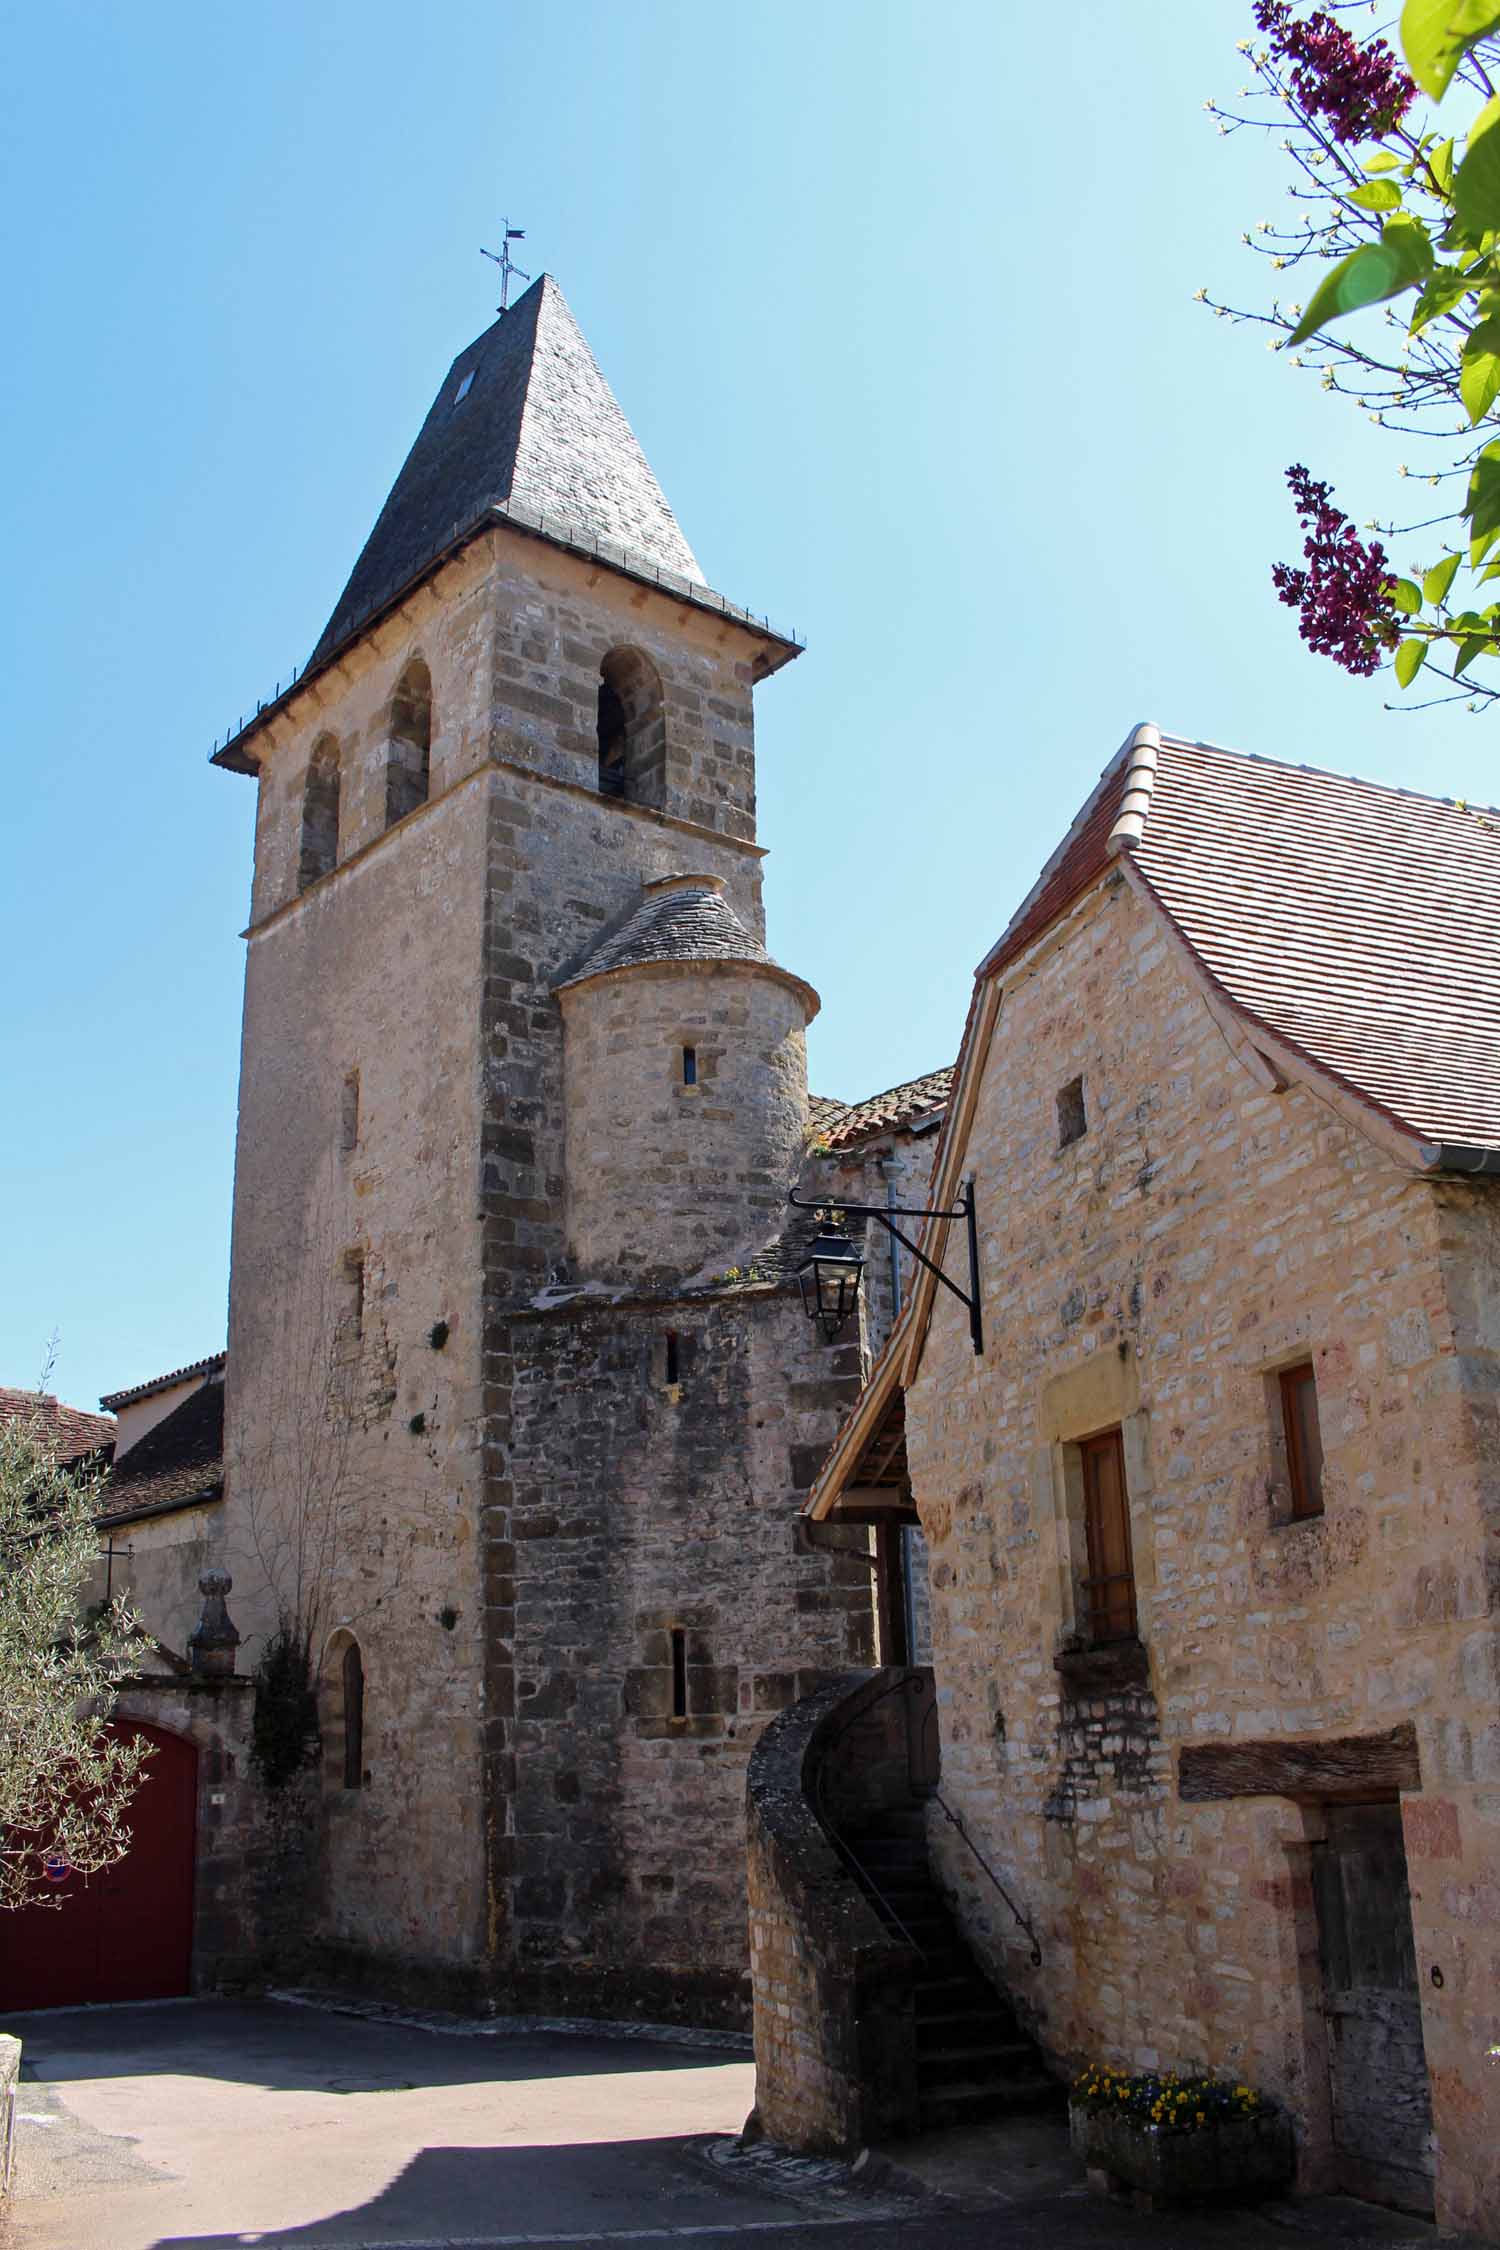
x=711 y=962
x=233 y=753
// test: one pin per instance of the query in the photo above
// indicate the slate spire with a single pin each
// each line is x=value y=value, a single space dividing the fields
x=524 y=416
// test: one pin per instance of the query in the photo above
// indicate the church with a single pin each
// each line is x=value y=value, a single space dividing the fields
x=521 y=1401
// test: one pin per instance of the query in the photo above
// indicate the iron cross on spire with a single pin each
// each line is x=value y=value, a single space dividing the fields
x=503 y=259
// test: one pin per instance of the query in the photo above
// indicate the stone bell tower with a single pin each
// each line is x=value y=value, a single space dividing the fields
x=520 y=1390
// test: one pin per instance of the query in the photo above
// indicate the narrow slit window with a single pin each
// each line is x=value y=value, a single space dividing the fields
x=1109 y=1587
x=464 y=388
x=674 y=1361
x=354 y=1717
x=679 y=1673
x=349 y=1118
x=1304 y=1438
x=1072 y=1117
x=689 y=1066
x=354 y=1277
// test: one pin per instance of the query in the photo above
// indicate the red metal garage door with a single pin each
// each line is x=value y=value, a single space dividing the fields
x=125 y=1934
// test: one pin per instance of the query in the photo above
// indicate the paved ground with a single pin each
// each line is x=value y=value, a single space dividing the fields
x=201 y=2125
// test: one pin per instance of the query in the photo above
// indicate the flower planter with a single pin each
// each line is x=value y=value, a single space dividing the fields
x=1230 y=2160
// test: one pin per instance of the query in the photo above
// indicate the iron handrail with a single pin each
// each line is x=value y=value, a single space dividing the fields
x=956 y=1820
x=904 y=1685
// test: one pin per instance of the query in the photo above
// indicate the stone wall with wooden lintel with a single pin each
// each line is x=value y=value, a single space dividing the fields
x=835 y=2042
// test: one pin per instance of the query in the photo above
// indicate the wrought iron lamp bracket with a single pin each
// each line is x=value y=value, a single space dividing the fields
x=887 y=1213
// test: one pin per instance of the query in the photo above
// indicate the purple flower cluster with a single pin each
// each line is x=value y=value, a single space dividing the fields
x=1346 y=612
x=1362 y=91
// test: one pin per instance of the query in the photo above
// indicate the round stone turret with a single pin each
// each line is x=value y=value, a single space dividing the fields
x=685 y=1067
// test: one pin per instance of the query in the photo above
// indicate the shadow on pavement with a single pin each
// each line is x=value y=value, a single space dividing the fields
x=285 y=2048
x=597 y=2189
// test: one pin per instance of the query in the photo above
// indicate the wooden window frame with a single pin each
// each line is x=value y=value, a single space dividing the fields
x=1306 y=1482
x=1102 y=1627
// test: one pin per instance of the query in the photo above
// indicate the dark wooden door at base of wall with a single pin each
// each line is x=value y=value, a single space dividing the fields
x=127 y=1933
x=1377 y=2066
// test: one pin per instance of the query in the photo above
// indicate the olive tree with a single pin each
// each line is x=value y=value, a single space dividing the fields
x=66 y=1781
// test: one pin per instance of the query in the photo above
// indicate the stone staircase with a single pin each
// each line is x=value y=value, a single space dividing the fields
x=973 y=2058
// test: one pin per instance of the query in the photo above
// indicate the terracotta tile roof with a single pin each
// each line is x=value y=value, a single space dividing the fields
x=842 y=1124
x=70 y=1429
x=1357 y=923
x=213 y=1365
x=823 y=1112
x=178 y=1462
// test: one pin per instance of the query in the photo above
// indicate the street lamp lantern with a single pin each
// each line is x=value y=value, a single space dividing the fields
x=829 y=1279
x=829 y=1276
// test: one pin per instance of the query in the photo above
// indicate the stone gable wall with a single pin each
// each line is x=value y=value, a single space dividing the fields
x=1203 y=1233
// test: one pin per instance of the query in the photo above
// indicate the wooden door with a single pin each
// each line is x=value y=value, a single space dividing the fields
x=1377 y=2066
x=126 y=1933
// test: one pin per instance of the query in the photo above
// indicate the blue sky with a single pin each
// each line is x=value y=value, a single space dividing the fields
x=899 y=301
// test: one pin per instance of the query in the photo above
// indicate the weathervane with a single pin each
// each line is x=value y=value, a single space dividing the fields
x=503 y=259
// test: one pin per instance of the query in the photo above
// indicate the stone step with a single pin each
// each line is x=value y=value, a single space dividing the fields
x=979 y=2061
x=961 y=2099
x=951 y=2027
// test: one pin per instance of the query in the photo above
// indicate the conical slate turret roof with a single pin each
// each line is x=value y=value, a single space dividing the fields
x=536 y=425
x=683 y=918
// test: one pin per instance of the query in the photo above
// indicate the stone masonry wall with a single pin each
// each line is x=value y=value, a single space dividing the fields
x=667 y=1179
x=352 y=1463
x=835 y=2044
x=524 y=1509
x=643 y=1506
x=1155 y=1274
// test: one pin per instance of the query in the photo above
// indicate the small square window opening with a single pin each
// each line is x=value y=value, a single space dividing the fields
x=1304 y=1439
x=1072 y=1117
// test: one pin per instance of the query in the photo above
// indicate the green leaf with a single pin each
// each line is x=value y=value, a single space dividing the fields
x=1384 y=160
x=1435 y=34
x=1482 y=503
x=1476 y=183
x=1440 y=166
x=1448 y=287
x=1410 y=657
x=1479 y=370
x=1376 y=195
x=1477 y=644
x=1377 y=270
x=1406 y=596
x=1441 y=576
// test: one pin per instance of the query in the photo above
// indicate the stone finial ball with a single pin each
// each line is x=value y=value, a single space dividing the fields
x=214 y=1581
